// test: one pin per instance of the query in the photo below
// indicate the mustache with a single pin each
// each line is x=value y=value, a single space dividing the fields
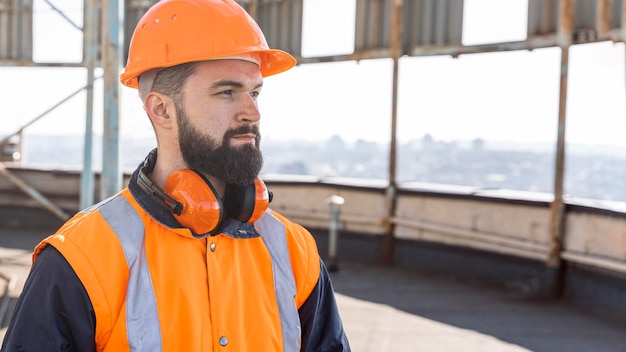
x=242 y=130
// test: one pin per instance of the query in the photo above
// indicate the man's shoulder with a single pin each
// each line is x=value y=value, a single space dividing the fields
x=292 y=228
x=86 y=217
x=298 y=237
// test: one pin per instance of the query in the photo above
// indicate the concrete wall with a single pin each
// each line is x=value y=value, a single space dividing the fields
x=494 y=235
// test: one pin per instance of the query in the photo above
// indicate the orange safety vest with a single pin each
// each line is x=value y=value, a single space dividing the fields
x=155 y=288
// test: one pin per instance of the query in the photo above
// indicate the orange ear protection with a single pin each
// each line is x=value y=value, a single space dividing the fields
x=201 y=208
x=195 y=203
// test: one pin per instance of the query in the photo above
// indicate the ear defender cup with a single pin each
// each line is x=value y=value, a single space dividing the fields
x=202 y=210
x=249 y=202
x=196 y=205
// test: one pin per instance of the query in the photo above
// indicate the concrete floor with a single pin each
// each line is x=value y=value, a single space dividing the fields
x=393 y=309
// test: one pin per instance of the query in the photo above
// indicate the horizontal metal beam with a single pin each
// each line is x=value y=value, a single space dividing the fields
x=23 y=63
x=538 y=42
x=33 y=193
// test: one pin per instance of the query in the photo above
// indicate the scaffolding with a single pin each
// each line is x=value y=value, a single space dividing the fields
x=383 y=29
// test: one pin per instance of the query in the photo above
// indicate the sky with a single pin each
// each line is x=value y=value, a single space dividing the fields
x=510 y=96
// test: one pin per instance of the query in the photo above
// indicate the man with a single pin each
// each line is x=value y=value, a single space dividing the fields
x=188 y=257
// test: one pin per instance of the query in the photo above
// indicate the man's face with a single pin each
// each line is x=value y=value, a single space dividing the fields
x=218 y=122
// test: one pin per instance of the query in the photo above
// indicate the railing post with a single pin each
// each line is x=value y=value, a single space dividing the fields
x=395 y=46
x=335 y=202
x=111 y=176
x=557 y=208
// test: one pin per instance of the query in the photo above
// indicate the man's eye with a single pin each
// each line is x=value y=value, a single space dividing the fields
x=226 y=92
x=255 y=94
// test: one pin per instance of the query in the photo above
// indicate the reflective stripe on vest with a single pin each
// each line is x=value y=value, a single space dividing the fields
x=142 y=320
x=284 y=282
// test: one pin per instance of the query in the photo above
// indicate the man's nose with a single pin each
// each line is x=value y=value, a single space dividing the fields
x=250 y=109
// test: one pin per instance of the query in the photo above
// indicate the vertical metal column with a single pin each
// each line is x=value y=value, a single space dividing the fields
x=623 y=26
x=90 y=52
x=565 y=33
x=603 y=17
x=395 y=42
x=623 y=32
x=111 y=179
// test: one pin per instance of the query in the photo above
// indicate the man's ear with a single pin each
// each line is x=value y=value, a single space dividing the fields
x=161 y=109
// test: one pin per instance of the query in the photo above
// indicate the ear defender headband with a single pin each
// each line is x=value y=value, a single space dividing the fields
x=195 y=203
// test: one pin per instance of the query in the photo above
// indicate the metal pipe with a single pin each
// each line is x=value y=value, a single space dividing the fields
x=557 y=208
x=33 y=193
x=21 y=63
x=6 y=138
x=111 y=178
x=603 y=17
x=20 y=145
x=86 y=197
x=335 y=202
x=376 y=23
x=60 y=12
x=395 y=47
x=622 y=30
x=565 y=30
x=623 y=24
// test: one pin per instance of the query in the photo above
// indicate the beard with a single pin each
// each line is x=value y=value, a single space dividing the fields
x=234 y=165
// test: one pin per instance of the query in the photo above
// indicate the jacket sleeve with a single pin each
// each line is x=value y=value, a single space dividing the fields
x=322 y=330
x=53 y=312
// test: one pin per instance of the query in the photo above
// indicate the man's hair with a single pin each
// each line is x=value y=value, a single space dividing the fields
x=170 y=81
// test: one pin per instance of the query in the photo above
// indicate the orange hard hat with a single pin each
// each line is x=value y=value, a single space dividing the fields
x=174 y=32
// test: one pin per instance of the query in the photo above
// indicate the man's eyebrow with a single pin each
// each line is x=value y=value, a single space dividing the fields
x=234 y=84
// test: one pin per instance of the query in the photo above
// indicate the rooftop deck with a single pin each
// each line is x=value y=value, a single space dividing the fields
x=395 y=309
